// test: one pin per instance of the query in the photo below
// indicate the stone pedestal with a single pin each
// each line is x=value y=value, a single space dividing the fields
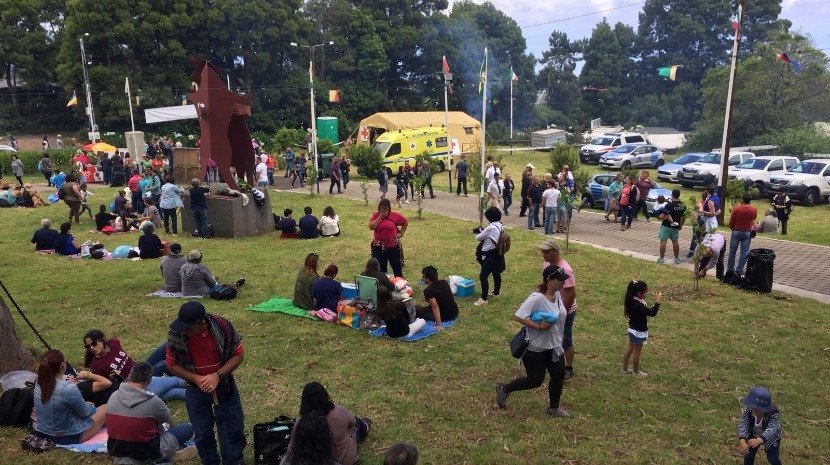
x=229 y=218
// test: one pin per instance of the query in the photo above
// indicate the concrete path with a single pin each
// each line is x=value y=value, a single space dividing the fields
x=799 y=269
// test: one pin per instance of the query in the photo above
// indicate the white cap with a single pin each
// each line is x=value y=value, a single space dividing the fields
x=530 y=165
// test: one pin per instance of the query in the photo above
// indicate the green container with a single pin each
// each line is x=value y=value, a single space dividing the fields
x=327 y=128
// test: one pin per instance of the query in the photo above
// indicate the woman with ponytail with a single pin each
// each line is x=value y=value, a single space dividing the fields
x=62 y=414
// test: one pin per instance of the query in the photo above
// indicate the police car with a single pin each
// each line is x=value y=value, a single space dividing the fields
x=633 y=156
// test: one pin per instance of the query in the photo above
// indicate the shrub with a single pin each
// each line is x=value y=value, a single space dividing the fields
x=367 y=160
x=60 y=159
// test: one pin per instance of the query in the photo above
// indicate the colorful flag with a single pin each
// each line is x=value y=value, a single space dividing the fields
x=784 y=57
x=73 y=100
x=138 y=100
x=482 y=74
x=737 y=19
x=447 y=74
x=310 y=74
x=669 y=72
x=334 y=96
x=513 y=76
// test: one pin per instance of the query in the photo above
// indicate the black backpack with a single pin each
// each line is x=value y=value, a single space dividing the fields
x=223 y=292
x=16 y=406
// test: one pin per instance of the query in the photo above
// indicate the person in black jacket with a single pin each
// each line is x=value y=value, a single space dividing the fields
x=637 y=312
x=45 y=237
x=105 y=165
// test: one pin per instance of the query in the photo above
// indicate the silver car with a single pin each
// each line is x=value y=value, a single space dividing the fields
x=669 y=171
x=7 y=148
x=633 y=156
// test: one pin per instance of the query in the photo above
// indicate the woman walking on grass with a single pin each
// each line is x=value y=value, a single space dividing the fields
x=545 y=352
x=637 y=312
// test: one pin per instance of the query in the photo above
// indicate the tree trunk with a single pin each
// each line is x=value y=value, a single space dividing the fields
x=11 y=83
x=14 y=355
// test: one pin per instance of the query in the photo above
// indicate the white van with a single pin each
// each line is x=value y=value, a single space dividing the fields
x=609 y=141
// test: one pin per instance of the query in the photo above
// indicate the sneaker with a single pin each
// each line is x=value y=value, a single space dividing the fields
x=183 y=455
x=625 y=371
x=480 y=302
x=690 y=254
x=240 y=282
x=640 y=374
x=569 y=374
x=406 y=201
x=677 y=261
x=506 y=214
x=558 y=412
x=501 y=396
x=660 y=260
x=492 y=294
x=368 y=422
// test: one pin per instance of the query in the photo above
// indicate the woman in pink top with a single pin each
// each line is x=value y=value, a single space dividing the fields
x=389 y=227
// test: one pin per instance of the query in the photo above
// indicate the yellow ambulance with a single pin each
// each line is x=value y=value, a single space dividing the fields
x=397 y=147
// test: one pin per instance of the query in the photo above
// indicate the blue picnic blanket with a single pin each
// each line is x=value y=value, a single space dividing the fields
x=426 y=331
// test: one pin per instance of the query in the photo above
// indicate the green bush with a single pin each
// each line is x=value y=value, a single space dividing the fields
x=367 y=160
x=285 y=137
x=60 y=160
x=115 y=139
x=795 y=141
x=564 y=154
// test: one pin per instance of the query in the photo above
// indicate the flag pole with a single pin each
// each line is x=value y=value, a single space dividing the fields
x=511 y=111
x=727 y=119
x=129 y=100
x=447 y=125
x=483 y=138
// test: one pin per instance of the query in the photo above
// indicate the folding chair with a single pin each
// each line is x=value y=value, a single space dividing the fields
x=367 y=289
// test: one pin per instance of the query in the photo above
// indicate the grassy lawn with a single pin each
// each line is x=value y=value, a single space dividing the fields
x=707 y=349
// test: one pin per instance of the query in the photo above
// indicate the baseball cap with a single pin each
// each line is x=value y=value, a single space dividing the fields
x=550 y=244
x=190 y=313
x=530 y=165
x=554 y=272
x=194 y=255
x=176 y=247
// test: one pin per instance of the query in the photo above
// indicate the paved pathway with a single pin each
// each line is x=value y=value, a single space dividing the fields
x=800 y=269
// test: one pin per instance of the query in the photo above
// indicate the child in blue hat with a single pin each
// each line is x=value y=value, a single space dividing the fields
x=759 y=425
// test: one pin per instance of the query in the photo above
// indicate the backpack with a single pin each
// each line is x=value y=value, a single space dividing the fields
x=503 y=245
x=16 y=406
x=223 y=293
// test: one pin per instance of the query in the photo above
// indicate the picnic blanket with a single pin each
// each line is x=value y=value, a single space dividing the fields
x=173 y=295
x=426 y=331
x=96 y=444
x=280 y=305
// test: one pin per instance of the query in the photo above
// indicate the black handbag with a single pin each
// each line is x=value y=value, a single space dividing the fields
x=36 y=443
x=271 y=440
x=519 y=343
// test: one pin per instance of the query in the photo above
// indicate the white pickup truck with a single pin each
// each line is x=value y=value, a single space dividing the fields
x=756 y=171
x=706 y=171
x=806 y=182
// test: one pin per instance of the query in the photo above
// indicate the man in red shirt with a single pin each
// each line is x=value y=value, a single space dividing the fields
x=204 y=350
x=135 y=201
x=740 y=222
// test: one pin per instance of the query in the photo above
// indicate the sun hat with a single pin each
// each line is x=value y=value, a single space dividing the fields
x=554 y=272
x=190 y=313
x=759 y=398
x=550 y=244
x=530 y=165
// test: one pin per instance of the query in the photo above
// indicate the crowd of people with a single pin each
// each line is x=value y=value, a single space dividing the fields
x=308 y=227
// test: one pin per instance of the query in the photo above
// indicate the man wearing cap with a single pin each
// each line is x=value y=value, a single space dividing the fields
x=197 y=278
x=204 y=350
x=461 y=170
x=171 y=265
x=550 y=253
x=527 y=176
x=494 y=192
x=760 y=424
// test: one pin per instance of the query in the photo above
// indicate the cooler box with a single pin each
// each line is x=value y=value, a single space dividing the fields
x=466 y=288
x=349 y=290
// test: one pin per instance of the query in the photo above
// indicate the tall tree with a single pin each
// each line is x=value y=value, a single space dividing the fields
x=608 y=66
x=556 y=79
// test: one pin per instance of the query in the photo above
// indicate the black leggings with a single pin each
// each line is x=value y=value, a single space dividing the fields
x=492 y=264
x=535 y=365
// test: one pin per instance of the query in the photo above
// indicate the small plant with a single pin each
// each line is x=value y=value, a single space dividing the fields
x=419 y=184
x=313 y=176
x=364 y=186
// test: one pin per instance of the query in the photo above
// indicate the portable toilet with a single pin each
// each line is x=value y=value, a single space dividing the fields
x=327 y=128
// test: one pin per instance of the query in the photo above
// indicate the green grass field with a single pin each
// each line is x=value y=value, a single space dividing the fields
x=707 y=349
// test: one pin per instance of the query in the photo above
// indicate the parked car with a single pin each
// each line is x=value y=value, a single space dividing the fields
x=609 y=141
x=805 y=182
x=756 y=171
x=706 y=171
x=7 y=148
x=633 y=156
x=596 y=191
x=669 y=171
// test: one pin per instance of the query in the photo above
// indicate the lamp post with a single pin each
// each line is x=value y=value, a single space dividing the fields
x=313 y=148
x=93 y=129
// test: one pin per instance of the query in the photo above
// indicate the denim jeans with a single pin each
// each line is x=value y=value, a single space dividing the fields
x=772 y=454
x=390 y=256
x=625 y=215
x=533 y=216
x=550 y=219
x=508 y=201
x=334 y=182
x=170 y=214
x=157 y=359
x=107 y=176
x=200 y=221
x=167 y=387
x=226 y=415
x=182 y=432
x=492 y=264
x=270 y=176
x=742 y=239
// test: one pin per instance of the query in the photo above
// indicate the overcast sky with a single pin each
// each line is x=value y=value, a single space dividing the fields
x=577 y=18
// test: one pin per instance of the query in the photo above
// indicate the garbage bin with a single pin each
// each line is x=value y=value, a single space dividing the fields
x=324 y=164
x=759 y=270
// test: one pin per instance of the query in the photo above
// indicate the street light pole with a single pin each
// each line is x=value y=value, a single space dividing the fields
x=92 y=128
x=313 y=148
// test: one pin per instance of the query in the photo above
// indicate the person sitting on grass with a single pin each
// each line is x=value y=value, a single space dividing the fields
x=171 y=265
x=149 y=245
x=345 y=429
x=769 y=225
x=326 y=291
x=373 y=271
x=197 y=278
x=138 y=424
x=306 y=277
x=104 y=218
x=441 y=304
x=310 y=431
x=288 y=225
x=309 y=225
x=329 y=223
x=31 y=197
x=45 y=238
x=65 y=243
x=396 y=316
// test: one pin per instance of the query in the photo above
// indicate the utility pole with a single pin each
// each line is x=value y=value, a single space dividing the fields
x=93 y=129
x=727 y=120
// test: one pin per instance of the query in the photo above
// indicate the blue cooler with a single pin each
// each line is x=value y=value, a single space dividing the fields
x=466 y=288
x=349 y=290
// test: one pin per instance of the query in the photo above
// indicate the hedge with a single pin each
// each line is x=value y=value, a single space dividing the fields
x=61 y=159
